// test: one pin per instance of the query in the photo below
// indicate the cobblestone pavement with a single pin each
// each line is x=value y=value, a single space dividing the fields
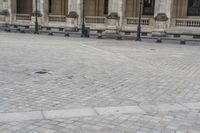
x=74 y=85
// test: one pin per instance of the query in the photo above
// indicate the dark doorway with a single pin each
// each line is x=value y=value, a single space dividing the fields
x=148 y=7
x=24 y=6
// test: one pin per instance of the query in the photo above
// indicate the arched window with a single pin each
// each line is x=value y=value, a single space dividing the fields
x=58 y=7
x=193 y=8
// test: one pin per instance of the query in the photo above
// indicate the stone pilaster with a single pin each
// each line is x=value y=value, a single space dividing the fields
x=163 y=9
x=75 y=6
x=115 y=6
x=80 y=10
x=45 y=11
x=5 y=6
x=39 y=10
x=1 y=5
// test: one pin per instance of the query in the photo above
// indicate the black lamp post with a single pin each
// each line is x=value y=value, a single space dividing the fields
x=138 y=38
x=83 y=20
x=36 y=17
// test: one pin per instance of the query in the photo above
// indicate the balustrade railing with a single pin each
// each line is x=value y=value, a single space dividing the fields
x=95 y=19
x=23 y=17
x=57 y=18
x=187 y=22
x=135 y=21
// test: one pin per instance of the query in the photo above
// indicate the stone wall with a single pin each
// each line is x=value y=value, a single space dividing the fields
x=173 y=10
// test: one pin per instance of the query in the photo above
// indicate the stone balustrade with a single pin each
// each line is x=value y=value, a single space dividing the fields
x=187 y=22
x=95 y=19
x=57 y=18
x=23 y=17
x=135 y=21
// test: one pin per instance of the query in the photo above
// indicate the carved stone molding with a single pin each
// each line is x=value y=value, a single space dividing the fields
x=161 y=17
x=113 y=15
x=5 y=13
x=72 y=14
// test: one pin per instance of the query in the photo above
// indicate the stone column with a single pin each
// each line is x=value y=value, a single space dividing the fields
x=163 y=11
x=116 y=6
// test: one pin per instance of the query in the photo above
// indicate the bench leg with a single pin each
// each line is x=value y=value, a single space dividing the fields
x=99 y=36
x=50 y=34
x=22 y=31
x=18 y=29
x=159 y=40
x=119 y=37
x=67 y=35
x=182 y=42
x=7 y=29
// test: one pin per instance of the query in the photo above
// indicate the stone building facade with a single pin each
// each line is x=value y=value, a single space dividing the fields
x=159 y=17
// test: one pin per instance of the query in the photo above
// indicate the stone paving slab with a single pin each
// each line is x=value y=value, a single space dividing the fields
x=119 y=110
x=169 y=107
x=95 y=111
x=192 y=105
x=181 y=121
x=158 y=82
x=20 y=116
x=55 y=114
